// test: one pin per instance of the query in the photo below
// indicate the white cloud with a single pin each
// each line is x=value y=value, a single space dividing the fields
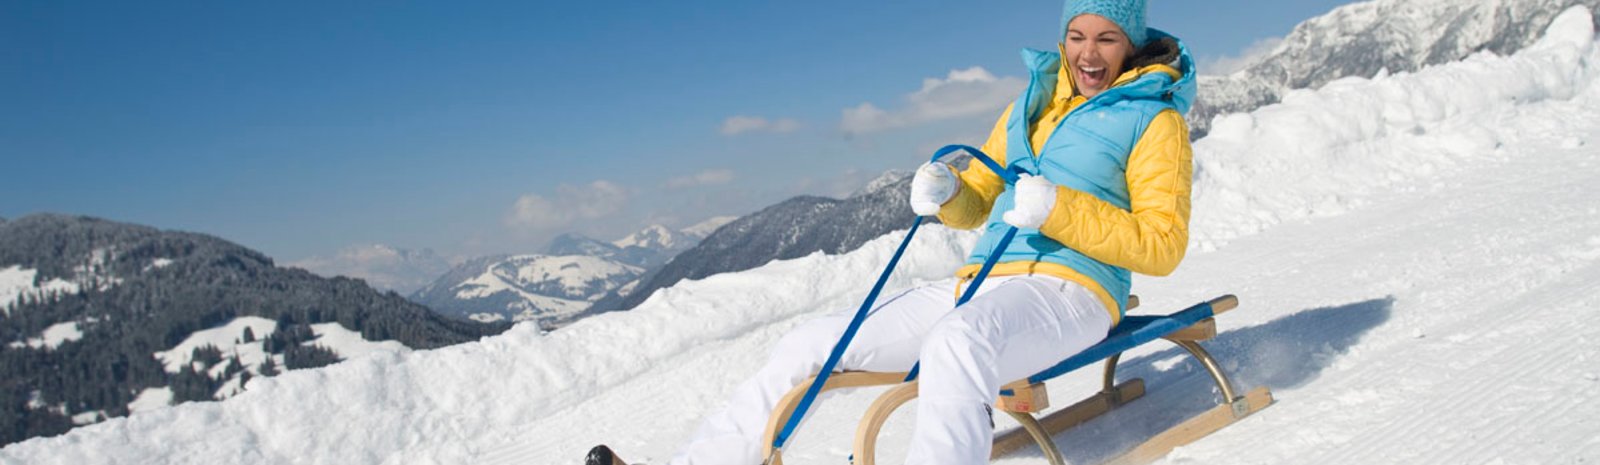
x=703 y=178
x=382 y=266
x=1220 y=66
x=570 y=203
x=964 y=92
x=741 y=124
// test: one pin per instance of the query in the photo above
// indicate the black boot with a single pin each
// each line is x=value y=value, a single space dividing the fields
x=602 y=455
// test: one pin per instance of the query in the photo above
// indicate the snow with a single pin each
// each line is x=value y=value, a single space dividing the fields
x=1416 y=255
x=573 y=273
x=151 y=399
x=228 y=338
x=349 y=344
x=486 y=317
x=17 y=282
x=1325 y=152
x=14 y=281
x=53 y=336
x=654 y=236
x=87 y=418
x=157 y=264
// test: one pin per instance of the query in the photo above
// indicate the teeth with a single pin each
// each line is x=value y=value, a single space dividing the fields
x=1093 y=70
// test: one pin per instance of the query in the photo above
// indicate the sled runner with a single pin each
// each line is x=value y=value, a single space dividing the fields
x=1024 y=398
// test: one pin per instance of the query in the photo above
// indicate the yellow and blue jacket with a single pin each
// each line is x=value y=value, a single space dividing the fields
x=1122 y=165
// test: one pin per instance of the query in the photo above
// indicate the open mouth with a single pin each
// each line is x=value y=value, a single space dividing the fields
x=1092 y=77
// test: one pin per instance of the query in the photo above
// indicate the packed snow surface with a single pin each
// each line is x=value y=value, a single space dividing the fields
x=1417 y=256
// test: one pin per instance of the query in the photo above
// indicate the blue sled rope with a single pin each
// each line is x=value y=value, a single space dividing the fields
x=861 y=313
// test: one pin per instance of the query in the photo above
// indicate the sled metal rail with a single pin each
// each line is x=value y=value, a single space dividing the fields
x=1024 y=398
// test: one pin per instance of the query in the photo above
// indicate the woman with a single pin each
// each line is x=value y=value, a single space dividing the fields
x=1110 y=196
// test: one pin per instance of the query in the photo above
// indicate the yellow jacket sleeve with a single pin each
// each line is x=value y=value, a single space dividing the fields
x=1151 y=238
x=979 y=185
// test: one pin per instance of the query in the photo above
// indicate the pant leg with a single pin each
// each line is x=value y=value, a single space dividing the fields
x=1018 y=327
x=888 y=340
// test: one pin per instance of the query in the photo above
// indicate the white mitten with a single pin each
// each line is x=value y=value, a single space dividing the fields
x=1035 y=197
x=934 y=184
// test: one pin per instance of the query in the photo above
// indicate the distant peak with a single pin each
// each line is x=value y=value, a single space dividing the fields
x=651 y=237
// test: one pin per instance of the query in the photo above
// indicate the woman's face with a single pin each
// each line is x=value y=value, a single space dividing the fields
x=1095 y=48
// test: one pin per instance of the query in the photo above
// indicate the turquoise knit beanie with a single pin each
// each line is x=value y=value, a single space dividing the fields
x=1128 y=14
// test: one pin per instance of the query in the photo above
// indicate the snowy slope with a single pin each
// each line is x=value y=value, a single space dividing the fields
x=17 y=283
x=1418 y=257
x=1362 y=39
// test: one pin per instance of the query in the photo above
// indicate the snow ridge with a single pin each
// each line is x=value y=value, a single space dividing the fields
x=1325 y=152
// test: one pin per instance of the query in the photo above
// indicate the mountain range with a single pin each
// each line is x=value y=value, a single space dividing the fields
x=793 y=228
x=561 y=283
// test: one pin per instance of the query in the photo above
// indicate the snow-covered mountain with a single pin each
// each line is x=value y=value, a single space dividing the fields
x=524 y=287
x=1362 y=39
x=384 y=267
x=99 y=319
x=1416 y=253
x=653 y=237
x=558 y=285
x=793 y=228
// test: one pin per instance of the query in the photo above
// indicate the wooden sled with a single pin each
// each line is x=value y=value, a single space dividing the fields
x=1024 y=398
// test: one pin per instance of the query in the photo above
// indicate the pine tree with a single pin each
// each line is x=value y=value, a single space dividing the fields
x=268 y=367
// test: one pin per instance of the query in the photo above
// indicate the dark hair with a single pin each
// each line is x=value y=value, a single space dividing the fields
x=1157 y=52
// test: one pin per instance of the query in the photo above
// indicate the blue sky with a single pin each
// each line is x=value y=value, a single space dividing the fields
x=301 y=128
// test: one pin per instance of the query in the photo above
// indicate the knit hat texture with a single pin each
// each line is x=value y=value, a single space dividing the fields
x=1128 y=14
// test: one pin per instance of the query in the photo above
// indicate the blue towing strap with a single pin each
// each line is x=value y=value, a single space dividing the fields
x=861 y=313
x=1010 y=176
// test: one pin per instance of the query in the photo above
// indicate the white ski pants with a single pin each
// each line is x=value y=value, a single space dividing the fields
x=1014 y=327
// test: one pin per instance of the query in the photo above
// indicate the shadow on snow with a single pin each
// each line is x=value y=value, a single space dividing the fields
x=1282 y=354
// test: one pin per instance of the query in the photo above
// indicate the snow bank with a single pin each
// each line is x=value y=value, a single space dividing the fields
x=1327 y=151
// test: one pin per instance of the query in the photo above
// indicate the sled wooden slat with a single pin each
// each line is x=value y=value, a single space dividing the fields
x=1202 y=331
x=1071 y=416
x=1193 y=429
x=1023 y=397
